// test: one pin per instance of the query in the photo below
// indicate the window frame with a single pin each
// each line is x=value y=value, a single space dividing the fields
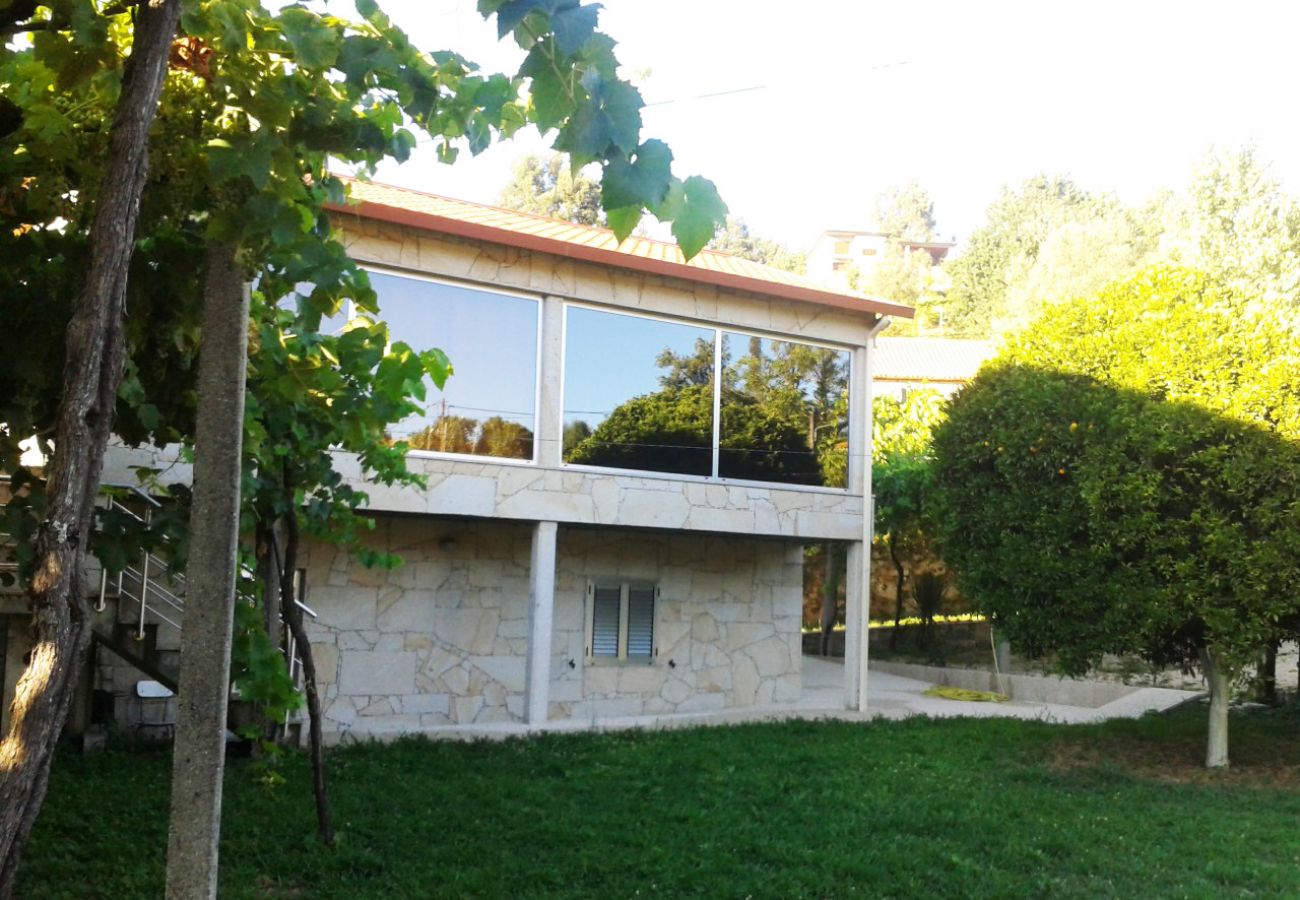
x=625 y=586
x=537 y=301
x=718 y=329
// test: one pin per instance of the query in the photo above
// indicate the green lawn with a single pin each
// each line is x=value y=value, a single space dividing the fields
x=950 y=808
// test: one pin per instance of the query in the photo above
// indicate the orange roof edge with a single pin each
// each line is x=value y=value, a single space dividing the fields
x=571 y=249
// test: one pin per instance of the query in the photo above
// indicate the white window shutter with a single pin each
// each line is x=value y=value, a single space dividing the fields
x=604 y=621
x=640 y=622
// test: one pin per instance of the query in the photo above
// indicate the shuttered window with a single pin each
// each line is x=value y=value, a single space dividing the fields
x=621 y=621
x=605 y=615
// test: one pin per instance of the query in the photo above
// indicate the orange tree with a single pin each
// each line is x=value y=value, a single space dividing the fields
x=1125 y=478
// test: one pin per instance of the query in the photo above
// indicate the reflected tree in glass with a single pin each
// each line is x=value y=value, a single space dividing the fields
x=784 y=412
x=627 y=405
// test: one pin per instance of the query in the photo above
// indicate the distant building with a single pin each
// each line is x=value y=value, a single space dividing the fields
x=836 y=252
x=903 y=364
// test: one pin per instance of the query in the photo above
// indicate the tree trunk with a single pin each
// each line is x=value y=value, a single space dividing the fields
x=268 y=573
x=830 y=596
x=292 y=614
x=1216 y=675
x=92 y=372
x=898 y=595
x=1268 y=674
x=199 y=755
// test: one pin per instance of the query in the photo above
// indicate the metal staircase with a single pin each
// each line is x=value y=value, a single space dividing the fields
x=139 y=612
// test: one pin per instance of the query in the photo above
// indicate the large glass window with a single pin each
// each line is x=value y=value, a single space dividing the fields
x=784 y=411
x=638 y=393
x=488 y=405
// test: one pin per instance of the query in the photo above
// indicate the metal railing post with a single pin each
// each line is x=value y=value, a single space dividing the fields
x=144 y=594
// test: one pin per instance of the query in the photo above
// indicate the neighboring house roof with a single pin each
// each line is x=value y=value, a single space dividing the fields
x=929 y=359
x=927 y=245
x=596 y=245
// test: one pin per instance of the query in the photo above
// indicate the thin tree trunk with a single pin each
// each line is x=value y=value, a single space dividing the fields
x=268 y=573
x=1268 y=674
x=199 y=755
x=95 y=357
x=1216 y=675
x=293 y=619
x=830 y=596
x=898 y=595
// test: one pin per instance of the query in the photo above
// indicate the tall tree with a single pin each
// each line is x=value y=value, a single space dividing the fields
x=1235 y=221
x=93 y=364
x=549 y=187
x=905 y=212
x=1018 y=222
x=1125 y=478
x=736 y=239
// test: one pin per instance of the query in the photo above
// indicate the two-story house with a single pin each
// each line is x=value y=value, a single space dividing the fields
x=622 y=474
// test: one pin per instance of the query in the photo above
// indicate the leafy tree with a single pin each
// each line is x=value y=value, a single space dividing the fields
x=447 y=434
x=684 y=370
x=905 y=275
x=736 y=239
x=550 y=187
x=905 y=212
x=1018 y=222
x=1237 y=223
x=902 y=482
x=255 y=105
x=1077 y=258
x=905 y=428
x=502 y=437
x=1126 y=478
x=670 y=430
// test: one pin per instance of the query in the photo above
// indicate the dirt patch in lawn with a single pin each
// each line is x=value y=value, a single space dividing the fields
x=1269 y=760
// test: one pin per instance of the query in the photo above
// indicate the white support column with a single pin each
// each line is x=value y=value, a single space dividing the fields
x=857 y=644
x=548 y=431
x=856 y=607
x=541 y=607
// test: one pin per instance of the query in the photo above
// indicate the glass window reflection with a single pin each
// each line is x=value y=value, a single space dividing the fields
x=784 y=412
x=638 y=393
x=487 y=407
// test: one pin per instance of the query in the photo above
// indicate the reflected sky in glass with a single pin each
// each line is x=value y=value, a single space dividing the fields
x=620 y=411
x=490 y=338
x=610 y=358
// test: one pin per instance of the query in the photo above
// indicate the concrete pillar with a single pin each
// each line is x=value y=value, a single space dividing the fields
x=541 y=608
x=856 y=609
x=548 y=435
x=858 y=578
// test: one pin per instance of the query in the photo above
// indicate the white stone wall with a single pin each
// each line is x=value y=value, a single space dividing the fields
x=442 y=640
x=530 y=493
x=728 y=621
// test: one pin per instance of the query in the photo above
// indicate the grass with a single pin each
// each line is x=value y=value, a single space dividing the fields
x=949 y=808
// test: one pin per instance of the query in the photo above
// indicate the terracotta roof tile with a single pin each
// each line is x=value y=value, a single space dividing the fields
x=510 y=227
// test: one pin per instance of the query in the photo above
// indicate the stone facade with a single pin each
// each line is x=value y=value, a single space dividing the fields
x=442 y=640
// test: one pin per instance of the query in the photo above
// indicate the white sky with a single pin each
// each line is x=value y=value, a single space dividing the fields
x=965 y=97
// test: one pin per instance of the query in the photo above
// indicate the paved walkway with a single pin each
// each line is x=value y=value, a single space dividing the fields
x=895 y=697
